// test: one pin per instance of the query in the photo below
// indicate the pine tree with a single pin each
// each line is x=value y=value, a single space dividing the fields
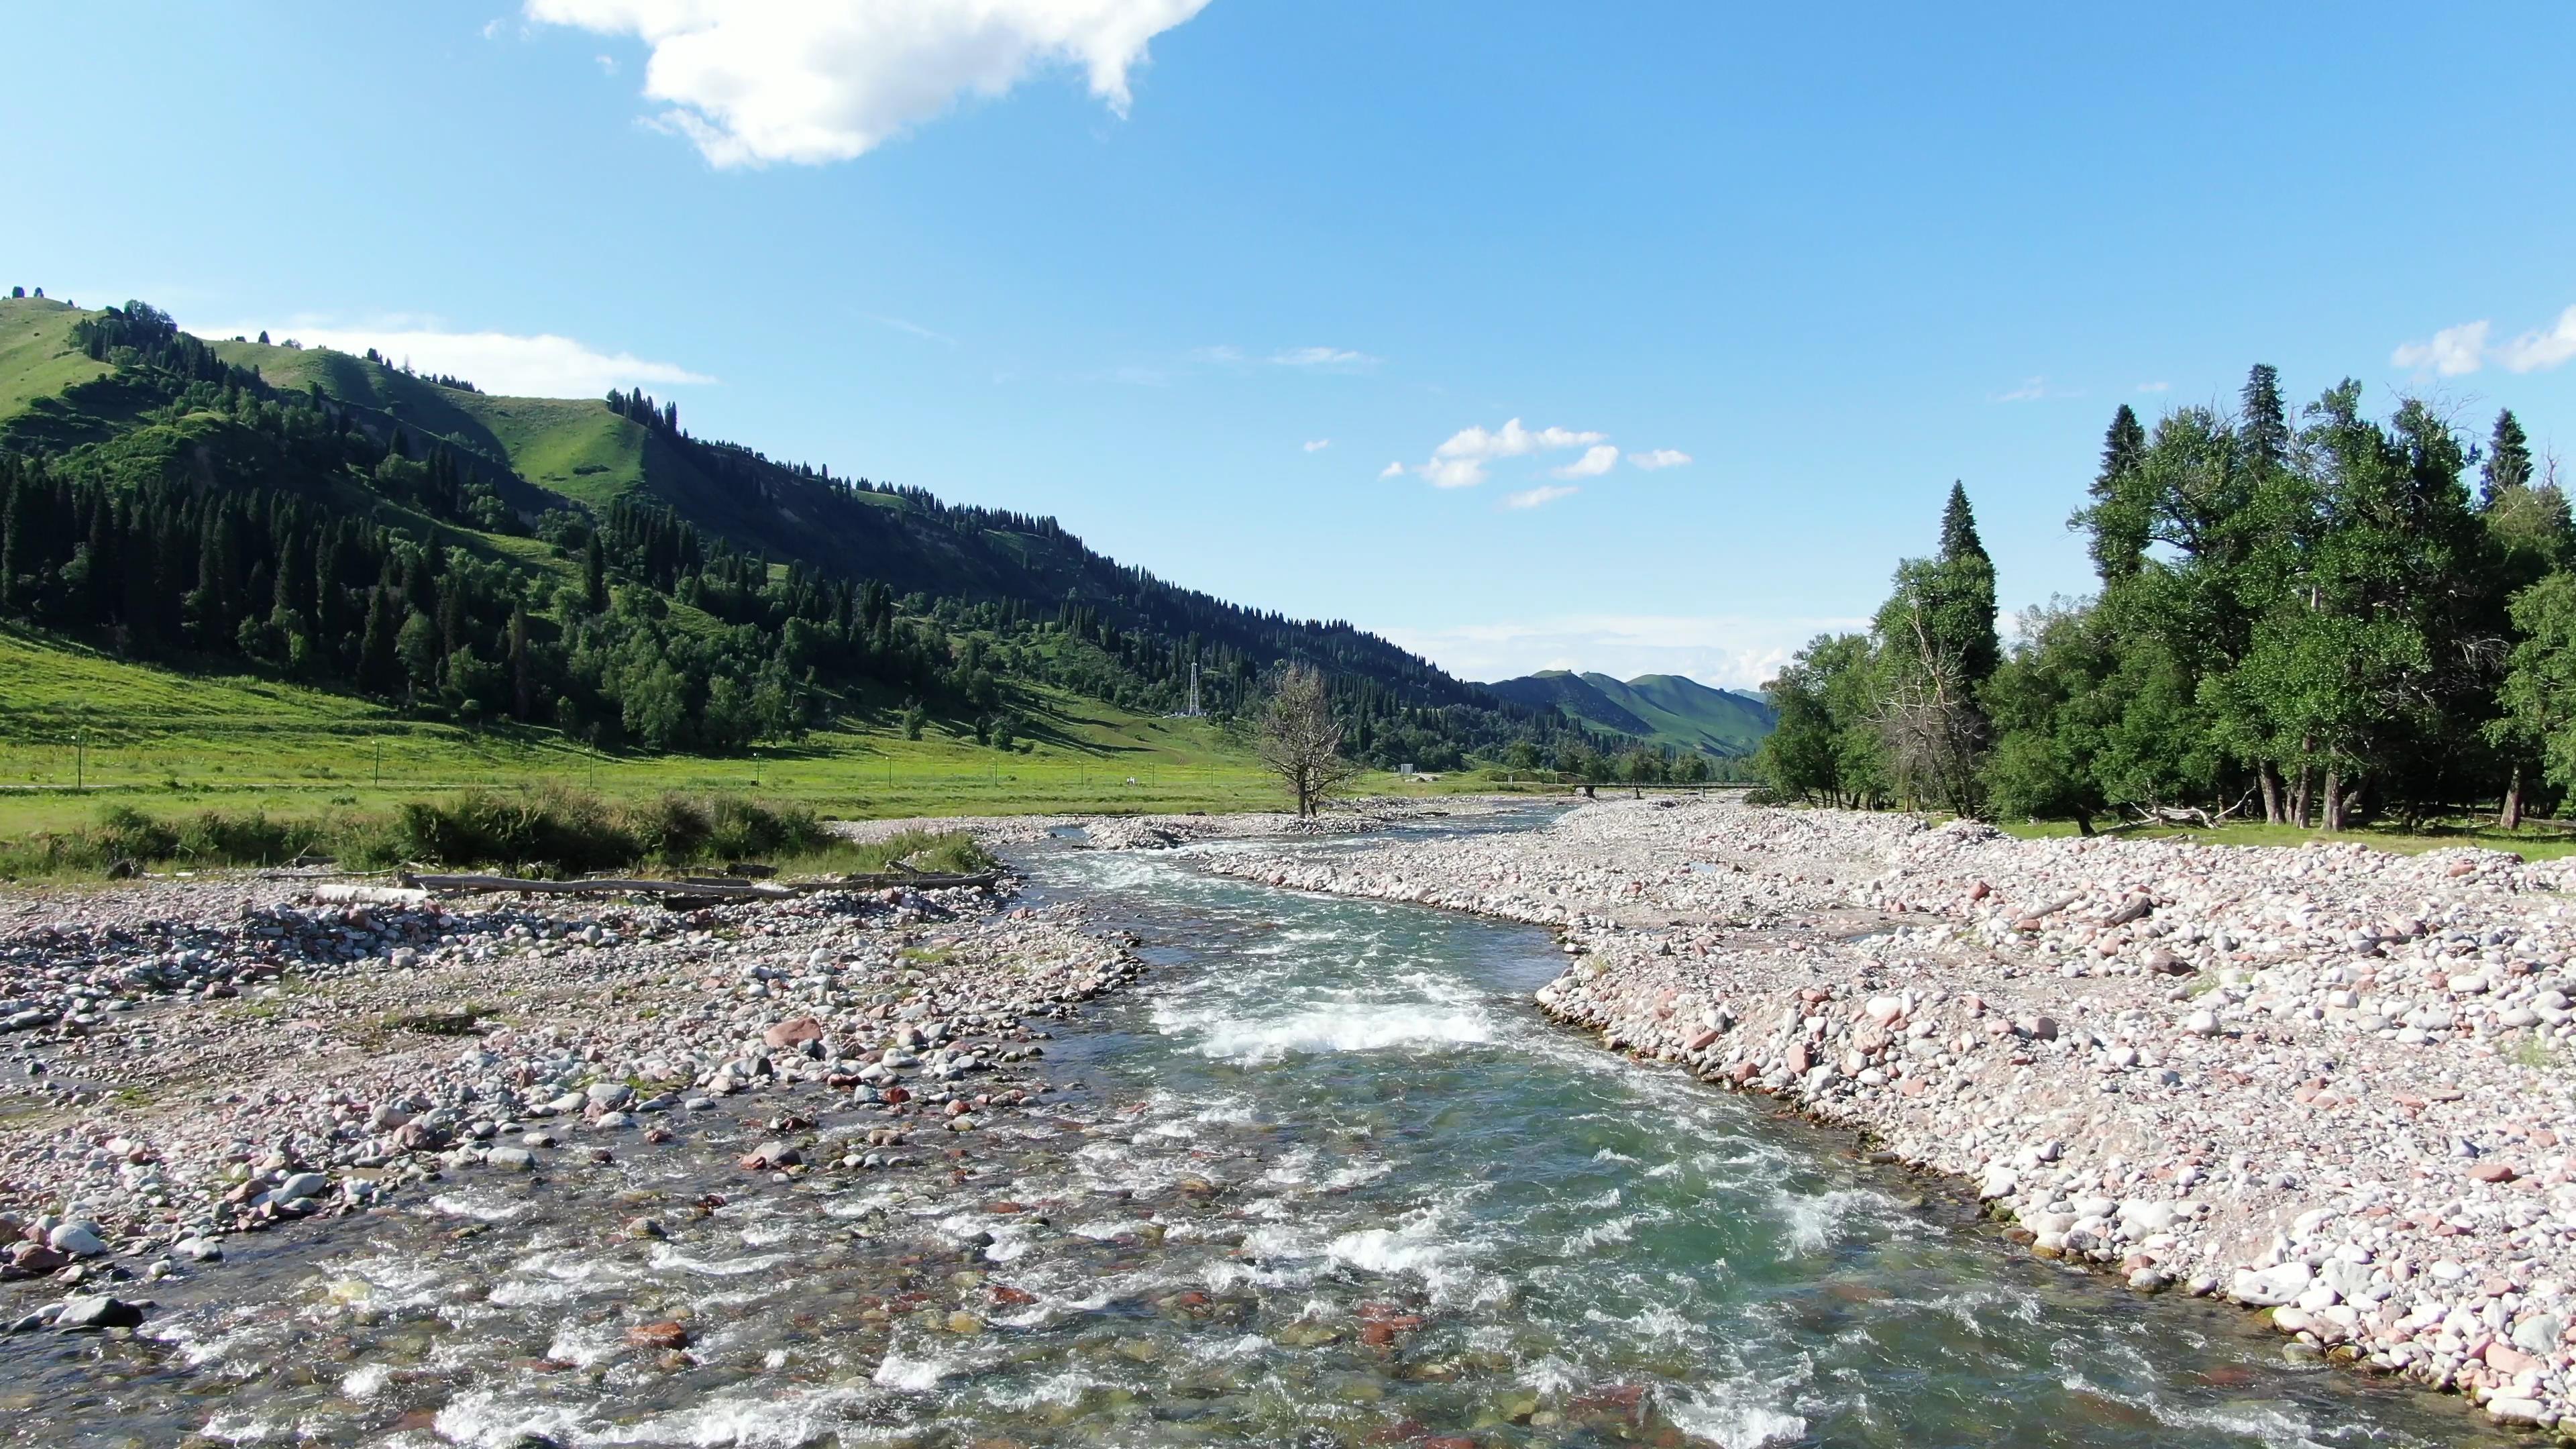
x=594 y=567
x=2508 y=464
x=2118 y=516
x=1959 y=529
x=2265 y=425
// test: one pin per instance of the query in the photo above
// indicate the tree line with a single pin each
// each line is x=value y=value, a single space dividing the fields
x=2314 y=617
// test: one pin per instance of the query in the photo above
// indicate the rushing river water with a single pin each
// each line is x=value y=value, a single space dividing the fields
x=1329 y=1179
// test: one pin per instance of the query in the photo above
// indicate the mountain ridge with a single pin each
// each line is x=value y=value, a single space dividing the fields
x=1668 y=709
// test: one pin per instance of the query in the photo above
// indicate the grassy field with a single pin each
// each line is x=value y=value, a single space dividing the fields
x=80 y=731
x=2530 y=842
x=37 y=358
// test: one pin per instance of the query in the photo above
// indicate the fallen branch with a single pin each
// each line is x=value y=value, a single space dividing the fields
x=364 y=895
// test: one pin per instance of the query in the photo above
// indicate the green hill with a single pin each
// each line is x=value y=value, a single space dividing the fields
x=1666 y=709
x=592 y=571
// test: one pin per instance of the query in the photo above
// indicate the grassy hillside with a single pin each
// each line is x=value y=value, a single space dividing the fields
x=469 y=589
x=37 y=358
x=1665 y=709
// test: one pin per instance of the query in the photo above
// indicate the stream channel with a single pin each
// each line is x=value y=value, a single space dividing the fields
x=1324 y=1177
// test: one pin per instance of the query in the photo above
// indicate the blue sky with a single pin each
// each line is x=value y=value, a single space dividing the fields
x=1232 y=286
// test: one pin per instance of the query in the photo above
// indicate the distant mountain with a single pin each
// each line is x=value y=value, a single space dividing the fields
x=1664 y=708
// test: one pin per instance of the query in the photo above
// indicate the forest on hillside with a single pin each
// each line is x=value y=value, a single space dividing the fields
x=182 y=510
x=2314 y=618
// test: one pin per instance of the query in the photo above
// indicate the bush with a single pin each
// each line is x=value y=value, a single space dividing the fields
x=548 y=831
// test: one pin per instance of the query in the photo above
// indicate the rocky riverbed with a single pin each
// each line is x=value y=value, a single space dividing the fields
x=2328 y=1083
x=189 y=1060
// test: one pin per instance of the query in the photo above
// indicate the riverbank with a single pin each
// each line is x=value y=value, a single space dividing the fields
x=194 y=1059
x=2328 y=1083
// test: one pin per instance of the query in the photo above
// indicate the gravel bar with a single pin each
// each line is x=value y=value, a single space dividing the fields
x=2328 y=1083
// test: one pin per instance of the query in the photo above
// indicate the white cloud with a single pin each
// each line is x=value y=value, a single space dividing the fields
x=607 y=64
x=1322 y=357
x=1598 y=459
x=2032 y=389
x=1654 y=458
x=1533 y=497
x=2461 y=350
x=1510 y=441
x=1317 y=445
x=2538 y=351
x=543 y=365
x=826 y=80
x=2452 y=352
x=1460 y=461
x=1391 y=470
x=1723 y=651
x=2155 y=387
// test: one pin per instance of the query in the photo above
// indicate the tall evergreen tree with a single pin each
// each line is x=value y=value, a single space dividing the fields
x=2119 y=517
x=2264 y=424
x=2508 y=464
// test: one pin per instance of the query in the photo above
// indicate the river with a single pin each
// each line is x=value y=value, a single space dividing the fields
x=1324 y=1178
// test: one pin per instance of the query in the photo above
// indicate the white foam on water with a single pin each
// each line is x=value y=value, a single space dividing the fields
x=2269 y=1421
x=482 y=1207
x=585 y=1344
x=771 y=1421
x=1101 y=1230
x=1344 y=1179
x=1717 y=1415
x=365 y=1382
x=1066 y=1388
x=767 y=1235
x=668 y=1258
x=912 y=1375
x=482 y=1419
x=1813 y=1221
x=1336 y=1029
x=247 y=1429
x=1609 y=1230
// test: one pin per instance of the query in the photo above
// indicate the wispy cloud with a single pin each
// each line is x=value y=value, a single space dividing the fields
x=1317 y=445
x=1726 y=651
x=1654 y=458
x=1533 y=497
x=1391 y=470
x=1323 y=357
x=2155 y=387
x=2458 y=351
x=1598 y=459
x=2032 y=389
x=911 y=328
x=1316 y=359
x=539 y=365
x=827 y=80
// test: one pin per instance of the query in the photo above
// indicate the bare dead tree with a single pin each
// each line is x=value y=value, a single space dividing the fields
x=1932 y=734
x=1300 y=741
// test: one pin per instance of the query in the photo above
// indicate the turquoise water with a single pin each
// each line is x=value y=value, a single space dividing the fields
x=1327 y=1179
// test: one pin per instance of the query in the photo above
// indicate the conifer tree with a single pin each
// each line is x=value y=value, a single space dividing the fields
x=2508 y=464
x=2265 y=425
